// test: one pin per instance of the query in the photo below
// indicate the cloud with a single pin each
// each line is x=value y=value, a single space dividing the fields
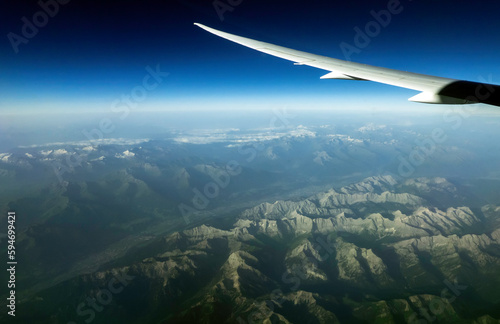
x=88 y=145
x=88 y=148
x=230 y=136
x=370 y=127
x=321 y=156
x=345 y=138
x=60 y=152
x=4 y=157
x=126 y=154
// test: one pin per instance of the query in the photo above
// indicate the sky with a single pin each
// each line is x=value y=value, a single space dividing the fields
x=86 y=55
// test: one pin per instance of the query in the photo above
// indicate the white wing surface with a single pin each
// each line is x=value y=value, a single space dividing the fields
x=433 y=89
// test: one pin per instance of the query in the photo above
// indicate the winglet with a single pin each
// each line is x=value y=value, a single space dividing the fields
x=208 y=29
x=234 y=38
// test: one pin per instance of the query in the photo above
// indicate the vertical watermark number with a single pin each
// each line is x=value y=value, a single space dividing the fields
x=11 y=262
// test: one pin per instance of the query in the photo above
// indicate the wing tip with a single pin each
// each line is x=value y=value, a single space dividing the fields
x=201 y=26
x=214 y=31
x=208 y=29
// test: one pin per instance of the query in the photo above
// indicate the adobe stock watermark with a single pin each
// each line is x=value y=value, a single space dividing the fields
x=223 y=6
x=221 y=180
x=292 y=277
x=30 y=27
x=437 y=306
x=102 y=297
x=453 y=117
x=373 y=28
x=122 y=106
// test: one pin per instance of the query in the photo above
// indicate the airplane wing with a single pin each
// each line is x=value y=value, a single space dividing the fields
x=436 y=90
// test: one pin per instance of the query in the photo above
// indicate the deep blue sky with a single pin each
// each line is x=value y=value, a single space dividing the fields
x=91 y=52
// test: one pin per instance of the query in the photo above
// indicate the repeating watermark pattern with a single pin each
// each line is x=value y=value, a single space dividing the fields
x=222 y=178
x=453 y=117
x=31 y=27
x=122 y=106
x=422 y=150
x=223 y=6
x=102 y=297
x=437 y=306
x=363 y=36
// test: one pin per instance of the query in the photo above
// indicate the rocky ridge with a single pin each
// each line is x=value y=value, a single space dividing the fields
x=366 y=252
